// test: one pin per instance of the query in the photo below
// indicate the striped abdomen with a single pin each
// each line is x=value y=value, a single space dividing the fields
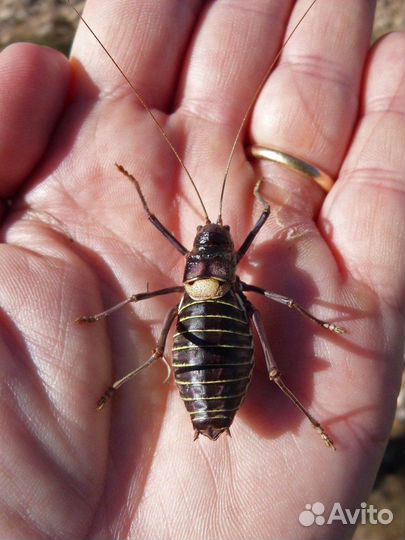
x=212 y=360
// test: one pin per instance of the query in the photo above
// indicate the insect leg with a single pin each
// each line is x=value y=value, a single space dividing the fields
x=152 y=218
x=275 y=376
x=157 y=354
x=259 y=224
x=133 y=298
x=289 y=302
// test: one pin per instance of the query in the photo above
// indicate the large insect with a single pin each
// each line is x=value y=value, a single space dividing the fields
x=213 y=355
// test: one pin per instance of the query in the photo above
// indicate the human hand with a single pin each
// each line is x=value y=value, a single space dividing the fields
x=76 y=240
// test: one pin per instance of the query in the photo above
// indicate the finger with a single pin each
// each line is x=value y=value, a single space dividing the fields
x=309 y=105
x=364 y=216
x=232 y=48
x=33 y=87
x=146 y=39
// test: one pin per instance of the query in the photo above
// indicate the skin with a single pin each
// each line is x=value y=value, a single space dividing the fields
x=76 y=241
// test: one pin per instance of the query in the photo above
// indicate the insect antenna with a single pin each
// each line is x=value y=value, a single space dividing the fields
x=252 y=102
x=147 y=109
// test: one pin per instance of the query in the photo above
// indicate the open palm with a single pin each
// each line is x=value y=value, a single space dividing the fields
x=76 y=240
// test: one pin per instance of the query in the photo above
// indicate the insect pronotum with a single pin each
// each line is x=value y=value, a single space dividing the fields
x=212 y=354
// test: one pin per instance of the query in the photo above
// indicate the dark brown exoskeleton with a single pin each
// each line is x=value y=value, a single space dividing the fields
x=213 y=353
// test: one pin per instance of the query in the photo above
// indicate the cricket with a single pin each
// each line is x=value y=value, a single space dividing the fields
x=213 y=353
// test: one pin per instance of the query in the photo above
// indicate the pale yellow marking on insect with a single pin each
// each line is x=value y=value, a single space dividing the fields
x=213 y=411
x=199 y=331
x=215 y=417
x=218 y=381
x=200 y=367
x=213 y=398
x=209 y=302
x=207 y=288
x=222 y=346
x=212 y=317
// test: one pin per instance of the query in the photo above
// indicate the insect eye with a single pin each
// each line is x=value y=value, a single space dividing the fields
x=227 y=227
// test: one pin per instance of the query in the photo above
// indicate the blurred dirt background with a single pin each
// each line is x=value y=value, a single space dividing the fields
x=52 y=23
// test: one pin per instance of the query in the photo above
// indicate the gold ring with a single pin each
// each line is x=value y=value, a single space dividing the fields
x=291 y=162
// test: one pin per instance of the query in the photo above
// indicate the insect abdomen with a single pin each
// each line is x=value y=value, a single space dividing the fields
x=212 y=361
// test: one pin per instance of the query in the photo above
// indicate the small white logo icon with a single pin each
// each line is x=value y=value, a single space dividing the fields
x=312 y=514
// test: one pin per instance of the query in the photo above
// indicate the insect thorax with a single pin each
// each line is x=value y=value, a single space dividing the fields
x=210 y=266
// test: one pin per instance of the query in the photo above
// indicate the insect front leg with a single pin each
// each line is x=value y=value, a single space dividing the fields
x=133 y=298
x=157 y=354
x=275 y=375
x=292 y=304
x=259 y=224
x=152 y=218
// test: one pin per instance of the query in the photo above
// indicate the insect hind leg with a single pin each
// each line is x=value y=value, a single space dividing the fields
x=275 y=376
x=157 y=354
